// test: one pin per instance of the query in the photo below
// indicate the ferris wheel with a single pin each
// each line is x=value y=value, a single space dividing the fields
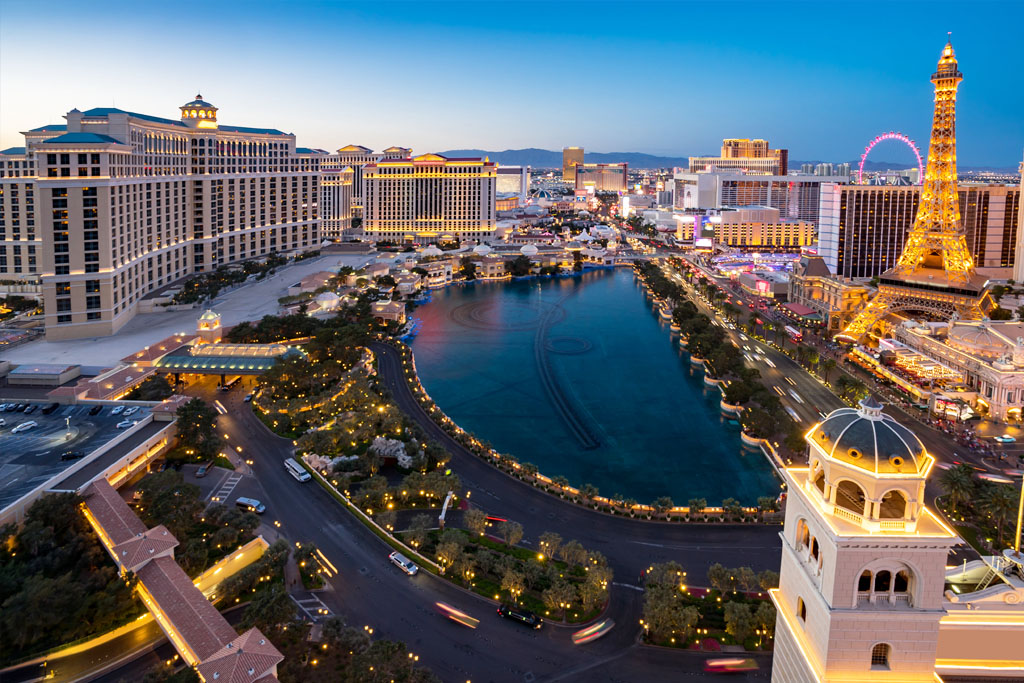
x=892 y=135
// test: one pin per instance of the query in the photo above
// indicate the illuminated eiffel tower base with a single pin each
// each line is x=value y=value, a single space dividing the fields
x=935 y=273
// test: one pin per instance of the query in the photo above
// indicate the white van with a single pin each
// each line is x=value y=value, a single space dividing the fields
x=24 y=427
x=296 y=470
x=250 y=505
x=403 y=563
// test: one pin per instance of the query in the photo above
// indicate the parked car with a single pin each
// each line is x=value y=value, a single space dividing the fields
x=11 y=407
x=3 y=407
x=95 y=410
x=24 y=427
x=204 y=469
x=131 y=411
x=72 y=455
x=50 y=408
x=2 y=422
x=31 y=408
x=248 y=398
x=21 y=407
x=523 y=616
x=117 y=410
x=125 y=424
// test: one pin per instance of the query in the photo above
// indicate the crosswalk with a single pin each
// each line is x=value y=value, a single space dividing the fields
x=226 y=488
x=313 y=606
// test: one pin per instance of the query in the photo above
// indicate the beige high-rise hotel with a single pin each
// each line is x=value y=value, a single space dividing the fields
x=114 y=205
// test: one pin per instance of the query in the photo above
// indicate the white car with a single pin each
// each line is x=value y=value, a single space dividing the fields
x=117 y=410
x=24 y=427
x=2 y=422
x=131 y=411
x=125 y=424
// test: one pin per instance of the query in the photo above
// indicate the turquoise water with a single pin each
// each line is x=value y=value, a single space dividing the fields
x=580 y=377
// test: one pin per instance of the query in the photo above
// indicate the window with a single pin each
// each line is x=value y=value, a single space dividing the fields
x=63 y=319
x=864 y=583
x=93 y=315
x=882 y=581
x=801 y=609
x=880 y=656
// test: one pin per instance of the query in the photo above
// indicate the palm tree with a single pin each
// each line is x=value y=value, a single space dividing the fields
x=958 y=481
x=827 y=366
x=999 y=502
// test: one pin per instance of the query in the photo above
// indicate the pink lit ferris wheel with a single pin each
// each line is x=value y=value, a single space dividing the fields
x=891 y=135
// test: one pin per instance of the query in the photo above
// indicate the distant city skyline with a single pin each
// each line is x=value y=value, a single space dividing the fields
x=663 y=79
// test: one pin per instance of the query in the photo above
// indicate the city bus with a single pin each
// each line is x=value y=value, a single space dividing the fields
x=230 y=383
x=794 y=334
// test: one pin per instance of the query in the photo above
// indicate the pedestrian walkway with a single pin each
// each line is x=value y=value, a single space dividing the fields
x=226 y=488
x=312 y=606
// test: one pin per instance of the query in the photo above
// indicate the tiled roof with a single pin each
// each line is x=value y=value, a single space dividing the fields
x=79 y=138
x=112 y=513
x=198 y=622
x=49 y=128
x=99 y=112
x=13 y=150
x=246 y=659
x=159 y=349
x=137 y=551
x=310 y=150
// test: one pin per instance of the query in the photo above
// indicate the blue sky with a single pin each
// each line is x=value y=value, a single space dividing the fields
x=819 y=78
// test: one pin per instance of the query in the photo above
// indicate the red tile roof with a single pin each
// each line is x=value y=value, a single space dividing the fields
x=112 y=513
x=246 y=659
x=147 y=355
x=197 y=621
x=137 y=551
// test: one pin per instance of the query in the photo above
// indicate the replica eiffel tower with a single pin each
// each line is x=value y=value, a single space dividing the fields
x=935 y=273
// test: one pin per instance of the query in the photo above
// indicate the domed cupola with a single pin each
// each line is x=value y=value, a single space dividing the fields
x=199 y=113
x=868 y=468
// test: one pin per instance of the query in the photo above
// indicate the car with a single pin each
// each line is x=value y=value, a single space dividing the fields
x=95 y=410
x=2 y=422
x=403 y=563
x=72 y=455
x=131 y=411
x=523 y=616
x=203 y=470
x=251 y=505
x=248 y=398
x=11 y=407
x=31 y=408
x=50 y=408
x=24 y=427
x=125 y=424
x=21 y=408
x=117 y=410
x=3 y=407
x=1005 y=438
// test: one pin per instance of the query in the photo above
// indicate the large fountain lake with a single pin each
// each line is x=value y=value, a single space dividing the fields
x=580 y=377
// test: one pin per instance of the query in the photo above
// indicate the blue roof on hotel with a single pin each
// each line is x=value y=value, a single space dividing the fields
x=243 y=129
x=106 y=111
x=52 y=126
x=13 y=150
x=309 y=150
x=71 y=138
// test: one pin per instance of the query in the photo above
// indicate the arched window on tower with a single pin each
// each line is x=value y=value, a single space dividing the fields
x=894 y=505
x=819 y=482
x=850 y=495
x=901 y=583
x=880 y=656
x=801 y=609
x=864 y=582
x=882 y=581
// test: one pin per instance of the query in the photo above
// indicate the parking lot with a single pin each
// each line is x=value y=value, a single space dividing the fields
x=33 y=456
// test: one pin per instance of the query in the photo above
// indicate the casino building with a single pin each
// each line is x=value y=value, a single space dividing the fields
x=113 y=205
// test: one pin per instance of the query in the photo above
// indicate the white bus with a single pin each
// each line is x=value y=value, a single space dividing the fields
x=296 y=470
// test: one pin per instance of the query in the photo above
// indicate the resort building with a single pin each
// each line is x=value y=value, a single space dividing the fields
x=571 y=158
x=759 y=228
x=864 y=592
x=835 y=300
x=336 y=185
x=750 y=156
x=513 y=182
x=430 y=198
x=134 y=202
x=602 y=177
x=796 y=197
x=863 y=227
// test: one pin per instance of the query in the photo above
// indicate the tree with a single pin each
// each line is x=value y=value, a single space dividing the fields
x=468 y=268
x=999 y=501
x=746 y=578
x=663 y=505
x=739 y=621
x=827 y=365
x=387 y=519
x=549 y=543
x=418 y=529
x=475 y=520
x=958 y=482
x=197 y=429
x=768 y=579
x=732 y=507
x=766 y=503
x=589 y=491
x=573 y=553
x=512 y=583
x=449 y=547
x=764 y=617
x=559 y=596
x=669 y=574
x=665 y=616
x=511 y=532
x=153 y=388
x=519 y=266
x=168 y=500
x=268 y=609
x=721 y=578
x=697 y=506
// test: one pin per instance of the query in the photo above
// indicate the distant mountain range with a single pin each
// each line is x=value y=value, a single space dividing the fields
x=546 y=158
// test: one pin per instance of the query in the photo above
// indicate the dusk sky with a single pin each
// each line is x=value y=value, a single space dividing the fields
x=819 y=78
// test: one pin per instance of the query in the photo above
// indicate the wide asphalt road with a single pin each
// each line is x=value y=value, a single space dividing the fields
x=369 y=591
